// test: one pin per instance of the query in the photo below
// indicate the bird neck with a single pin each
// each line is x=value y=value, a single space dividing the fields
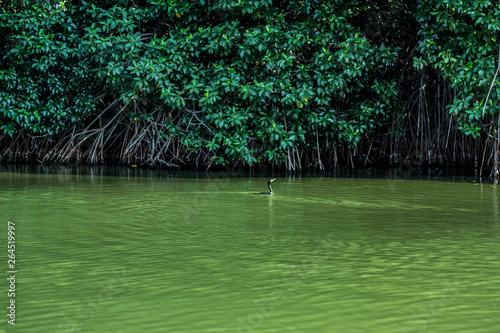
x=270 y=188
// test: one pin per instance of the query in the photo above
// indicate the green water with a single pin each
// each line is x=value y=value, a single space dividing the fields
x=162 y=253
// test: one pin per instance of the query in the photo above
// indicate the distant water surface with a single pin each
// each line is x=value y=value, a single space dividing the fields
x=117 y=253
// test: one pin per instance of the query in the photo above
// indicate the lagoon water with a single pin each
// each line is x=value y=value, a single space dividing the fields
x=99 y=251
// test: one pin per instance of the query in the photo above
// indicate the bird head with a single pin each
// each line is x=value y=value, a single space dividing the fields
x=271 y=180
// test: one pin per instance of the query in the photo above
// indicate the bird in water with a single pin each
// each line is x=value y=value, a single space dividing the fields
x=269 y=186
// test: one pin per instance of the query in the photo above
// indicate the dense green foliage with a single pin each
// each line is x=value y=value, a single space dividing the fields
x=46 y=82
x=460 y=39
x=249 y=80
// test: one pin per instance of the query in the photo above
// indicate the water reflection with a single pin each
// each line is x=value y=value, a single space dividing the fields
x=154 y=251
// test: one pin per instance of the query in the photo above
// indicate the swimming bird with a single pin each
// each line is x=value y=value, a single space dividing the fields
x=269 y=186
